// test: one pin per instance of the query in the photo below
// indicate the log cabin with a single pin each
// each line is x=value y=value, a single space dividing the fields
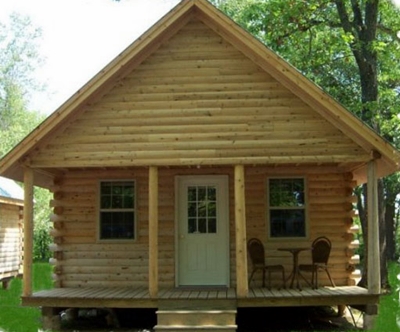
x=193 y=140
x=11 y=231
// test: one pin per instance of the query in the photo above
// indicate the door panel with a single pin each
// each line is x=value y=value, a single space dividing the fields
x=203 y=227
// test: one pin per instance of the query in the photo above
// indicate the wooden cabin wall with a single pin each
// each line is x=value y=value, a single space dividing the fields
x=11 y=239
x=330 y=213
x=196 y=100
x=82 y=260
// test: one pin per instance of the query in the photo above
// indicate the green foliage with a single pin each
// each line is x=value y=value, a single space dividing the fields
x=13 y=317
x=41 y=232
x=18 y=59
x=389 y=309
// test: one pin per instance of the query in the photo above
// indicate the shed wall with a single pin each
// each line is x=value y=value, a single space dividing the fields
x=11 y=239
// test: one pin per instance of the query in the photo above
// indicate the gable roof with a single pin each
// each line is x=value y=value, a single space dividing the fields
x=12 y=164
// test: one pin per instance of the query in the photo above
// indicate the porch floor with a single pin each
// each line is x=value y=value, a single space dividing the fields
x=257 y=297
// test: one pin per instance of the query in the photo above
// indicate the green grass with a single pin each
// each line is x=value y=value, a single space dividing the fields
x=389 y=308
x=14 y=317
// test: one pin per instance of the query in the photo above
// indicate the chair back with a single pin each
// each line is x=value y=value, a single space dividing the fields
x=256 y=251
x=321 y=249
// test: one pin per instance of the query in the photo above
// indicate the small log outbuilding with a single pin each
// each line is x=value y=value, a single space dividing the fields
x=193 y=140
x=11 y=230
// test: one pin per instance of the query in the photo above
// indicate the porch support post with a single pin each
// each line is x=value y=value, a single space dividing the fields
x=374 y=271
x=28 y=232
x=240 y=226
x=153 y=231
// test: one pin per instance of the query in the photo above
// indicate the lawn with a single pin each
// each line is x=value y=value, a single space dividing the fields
x=389 y=309
x=15 y=318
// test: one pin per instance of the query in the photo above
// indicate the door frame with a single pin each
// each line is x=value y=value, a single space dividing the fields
x=223 y=183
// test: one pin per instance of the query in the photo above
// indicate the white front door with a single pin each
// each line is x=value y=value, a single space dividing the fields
x=203 y=230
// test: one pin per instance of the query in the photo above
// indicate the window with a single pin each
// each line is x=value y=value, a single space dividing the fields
x=286 y=206
x=202 y=209
x=117 y=210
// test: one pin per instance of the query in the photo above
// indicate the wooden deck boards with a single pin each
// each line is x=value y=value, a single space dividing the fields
x=140 y=298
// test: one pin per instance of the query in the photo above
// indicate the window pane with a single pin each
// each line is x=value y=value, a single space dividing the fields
x=114 y=197
x=212 y=225
x=192 y=226
x=105 y=202
x=202 y=209
x=202 y=191
x=212 y=209
x=128 y=202
x=117 y=225
x=211 y=192
x=192 y=194
x=286 y=192
x=202 y=225
x=287 y=223
x=192 y=210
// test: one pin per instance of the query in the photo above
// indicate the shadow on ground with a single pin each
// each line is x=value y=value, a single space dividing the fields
x=248 y=320
x=294 y=319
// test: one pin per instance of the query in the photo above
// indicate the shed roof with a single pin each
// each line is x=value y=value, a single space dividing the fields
x=388 y=158
x=10 y=189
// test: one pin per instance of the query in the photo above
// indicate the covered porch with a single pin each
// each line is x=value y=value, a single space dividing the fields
x=155 y=288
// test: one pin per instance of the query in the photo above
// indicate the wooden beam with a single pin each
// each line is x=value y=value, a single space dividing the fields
x=28 y=231
x=153 y=231
x=240 y=226
x=374 y=276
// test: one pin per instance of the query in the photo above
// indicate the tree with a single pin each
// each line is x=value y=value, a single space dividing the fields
x=18 y=59
x=351 y=49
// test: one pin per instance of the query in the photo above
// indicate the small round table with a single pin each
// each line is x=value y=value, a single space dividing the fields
x=294 y=275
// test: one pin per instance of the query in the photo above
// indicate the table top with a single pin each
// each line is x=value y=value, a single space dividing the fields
x=295 y=249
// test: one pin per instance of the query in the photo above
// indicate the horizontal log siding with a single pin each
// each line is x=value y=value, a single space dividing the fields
x=329 y=214
x=197 y=100
x=10 y=240
x=81 y=260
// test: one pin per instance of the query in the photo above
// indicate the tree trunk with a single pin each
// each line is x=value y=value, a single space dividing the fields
x=390 y=217
x=361 y=207
x=362 y=26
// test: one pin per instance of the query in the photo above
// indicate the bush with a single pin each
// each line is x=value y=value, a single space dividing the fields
x=41 y=232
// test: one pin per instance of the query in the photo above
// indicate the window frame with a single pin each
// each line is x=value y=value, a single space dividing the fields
x=305 y=208
x=99 y=210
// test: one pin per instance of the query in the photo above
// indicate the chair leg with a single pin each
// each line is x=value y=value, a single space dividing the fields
x=263 y=282
x=269 y=280
x=251 y=276
x=283 y=279
x=330 y=278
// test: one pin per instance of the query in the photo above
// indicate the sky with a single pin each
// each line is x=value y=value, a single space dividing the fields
x=80 y=37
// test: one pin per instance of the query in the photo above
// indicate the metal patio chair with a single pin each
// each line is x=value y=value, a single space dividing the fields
x=257 y=255
x=321 y=249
